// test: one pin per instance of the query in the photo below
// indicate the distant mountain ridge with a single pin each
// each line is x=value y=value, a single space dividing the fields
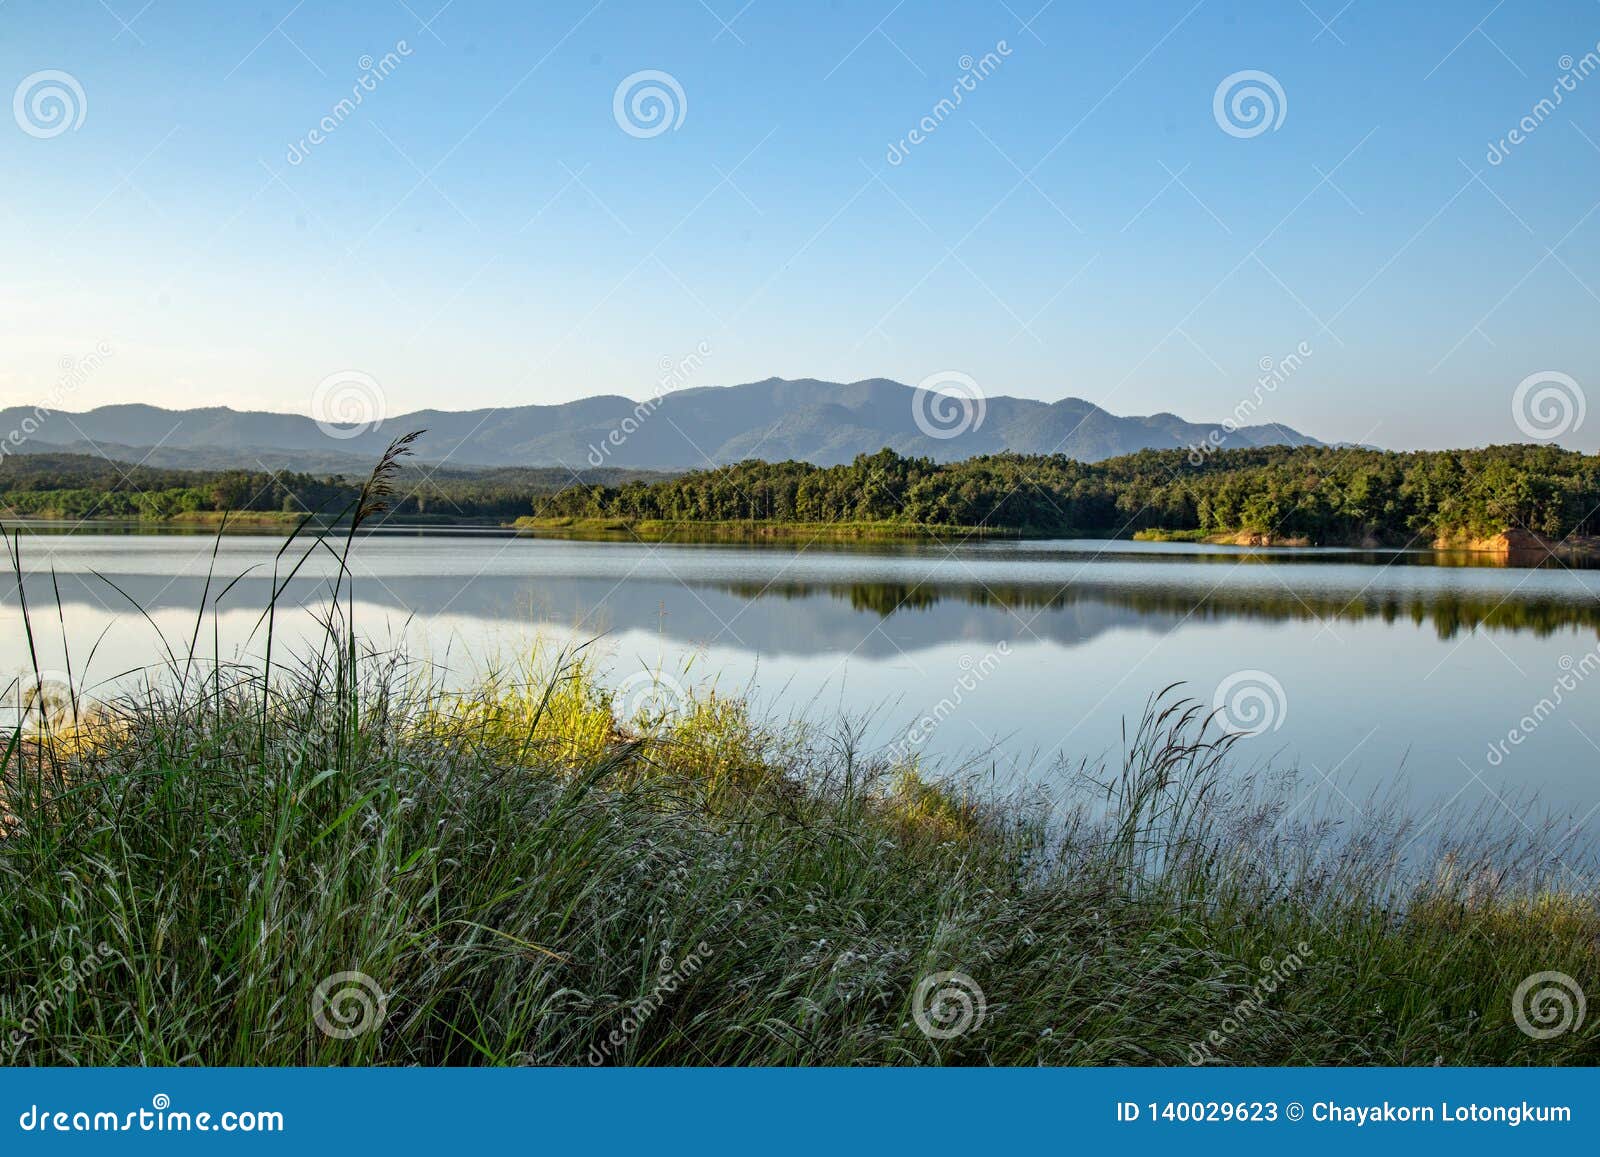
x=822 y=422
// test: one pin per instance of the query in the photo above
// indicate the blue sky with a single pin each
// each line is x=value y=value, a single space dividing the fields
x=482 y=231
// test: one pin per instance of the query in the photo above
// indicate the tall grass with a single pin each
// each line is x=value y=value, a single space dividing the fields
x=525 y=877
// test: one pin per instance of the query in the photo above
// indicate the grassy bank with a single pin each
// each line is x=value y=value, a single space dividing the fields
x=190 y=519
x=1154 y=535
x=663 y=530
x=234 y=520
x=240 y=520
x=328 y=858
x=1240 y=538
x=527 y=878
x=1519 y=547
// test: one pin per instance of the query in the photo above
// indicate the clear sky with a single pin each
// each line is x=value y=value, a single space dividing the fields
x=482 y=229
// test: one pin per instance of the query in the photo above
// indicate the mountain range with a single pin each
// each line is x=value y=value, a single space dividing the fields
x=821 y=422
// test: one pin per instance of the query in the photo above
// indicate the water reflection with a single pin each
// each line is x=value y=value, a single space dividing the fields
x=813 y=617
x=1448 y=612
x=1390 y=663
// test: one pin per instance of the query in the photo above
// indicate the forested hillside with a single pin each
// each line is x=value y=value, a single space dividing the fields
x=677 y=427
x=1320 y=494
x=1313 y=494
x=83 y=486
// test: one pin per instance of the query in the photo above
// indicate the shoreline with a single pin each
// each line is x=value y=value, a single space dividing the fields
x=210 y=520
x=1522 y=545
x=1519 y=547
x=662 y=530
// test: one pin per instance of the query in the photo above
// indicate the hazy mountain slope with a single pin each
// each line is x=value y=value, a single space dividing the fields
x=822 y=422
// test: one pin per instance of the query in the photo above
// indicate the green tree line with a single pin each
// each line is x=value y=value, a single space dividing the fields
x=76 y=486
x=1322 y=494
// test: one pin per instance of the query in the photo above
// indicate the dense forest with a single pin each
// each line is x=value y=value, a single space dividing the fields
x=83 y=486
x=1315 y=494
x=1321 y=494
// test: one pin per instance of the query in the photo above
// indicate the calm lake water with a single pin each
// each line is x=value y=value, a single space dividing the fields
x=1473 y=683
